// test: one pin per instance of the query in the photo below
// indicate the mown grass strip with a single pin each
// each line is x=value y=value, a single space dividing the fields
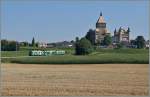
x=91 y=59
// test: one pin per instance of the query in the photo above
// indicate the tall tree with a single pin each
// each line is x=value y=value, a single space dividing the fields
x=77 y=39
x=77 y=46
x=33 y=42
x=90 y=36
x=140 y=42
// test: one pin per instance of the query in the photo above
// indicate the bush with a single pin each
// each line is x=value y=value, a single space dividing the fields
x=83 y=47
x=119 y=45
x=107 y=40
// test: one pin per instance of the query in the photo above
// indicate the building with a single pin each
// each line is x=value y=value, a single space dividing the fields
x=101 y=30
x=97 y=35
x=121 y=36
x=50 y=45
x=64 y=44
x=147 y=44
x=42 y=45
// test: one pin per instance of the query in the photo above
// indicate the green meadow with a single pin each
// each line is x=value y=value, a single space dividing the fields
x=99 y=56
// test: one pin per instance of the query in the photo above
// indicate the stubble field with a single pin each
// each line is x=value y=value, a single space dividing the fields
x=74 y=79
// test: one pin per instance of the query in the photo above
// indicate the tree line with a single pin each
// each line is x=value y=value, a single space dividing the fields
x=83 y=46
x=7 y=45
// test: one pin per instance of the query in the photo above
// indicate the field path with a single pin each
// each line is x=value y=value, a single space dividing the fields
x=74 y=79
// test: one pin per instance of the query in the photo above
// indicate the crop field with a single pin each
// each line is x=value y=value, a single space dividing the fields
x=74 y=80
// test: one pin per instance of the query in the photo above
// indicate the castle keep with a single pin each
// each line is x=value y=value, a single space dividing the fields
x=101 y=30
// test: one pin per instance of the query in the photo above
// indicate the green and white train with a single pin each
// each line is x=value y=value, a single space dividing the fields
x=46 y=53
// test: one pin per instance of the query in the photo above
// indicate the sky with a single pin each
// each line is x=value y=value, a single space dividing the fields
x=53 y=21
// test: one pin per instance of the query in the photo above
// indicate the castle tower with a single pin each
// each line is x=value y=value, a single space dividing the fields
x=101 y=30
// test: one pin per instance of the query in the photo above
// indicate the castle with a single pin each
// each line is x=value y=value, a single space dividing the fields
x=97 y=36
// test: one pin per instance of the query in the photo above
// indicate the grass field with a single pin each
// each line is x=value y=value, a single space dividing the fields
x=75 y=79
x=14 y=53
x=100 y=56
x=24 y=51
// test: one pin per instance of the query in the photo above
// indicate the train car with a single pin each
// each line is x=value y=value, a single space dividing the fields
x=46 y=53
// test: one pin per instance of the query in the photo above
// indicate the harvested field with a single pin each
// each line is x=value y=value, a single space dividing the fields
x=74 y=79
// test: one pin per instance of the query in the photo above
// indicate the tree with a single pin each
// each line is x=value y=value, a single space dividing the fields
x=77 y=39
x=140 y=42
x=133 y=42
x=30 y=52
x=9 y=45
x=90 y=36
x=83 y=47
x=72 y=42
x=77 y=46
x=107 y=40
x=4 y=45
x=36 y=44
x=33 y=42
x=13 y=46
x=120 y=45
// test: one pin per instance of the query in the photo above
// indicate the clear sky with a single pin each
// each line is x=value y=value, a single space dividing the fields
x=52 y=21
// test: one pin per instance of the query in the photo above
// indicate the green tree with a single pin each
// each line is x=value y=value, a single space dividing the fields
x=33 y=42
x=107 y=40
x=140 y=42
x=72 y=41
x=13 y=46
x=83 y=47
x=77 y=46
x=9 y=45
x=4 y=45
x=120 y=45
x=36 y=44
x=133 y=42
x=77 y=39
x=90 y=35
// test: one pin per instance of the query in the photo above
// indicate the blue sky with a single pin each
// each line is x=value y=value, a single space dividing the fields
x=52 y=21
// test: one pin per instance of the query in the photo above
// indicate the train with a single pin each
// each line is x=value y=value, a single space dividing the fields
x=46 y=53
